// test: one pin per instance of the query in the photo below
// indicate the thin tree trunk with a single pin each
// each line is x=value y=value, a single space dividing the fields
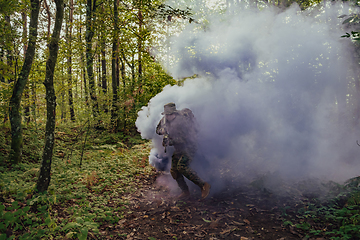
x=103 y=72
x=140 y=71
x=46 y=6
x=27 y=104
x=98 y=68
x=115 y=69
x=140 y=40
x=62 y=98
x=83 y=67
x=10 y=63
x=69 y=62
x=44 y=176
x=27 y=89
x=2 y=79
x=90 y=18
x=10 y=54
x=33 y=108
x=104 y=79
x=122 y=70
x=14 y=106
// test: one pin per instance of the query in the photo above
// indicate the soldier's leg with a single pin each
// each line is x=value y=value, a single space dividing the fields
x=177 y=175
x=183 y=166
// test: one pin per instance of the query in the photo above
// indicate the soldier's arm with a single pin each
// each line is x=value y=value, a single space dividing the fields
x=160 y=129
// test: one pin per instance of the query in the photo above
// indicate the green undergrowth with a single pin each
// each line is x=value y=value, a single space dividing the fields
x=336 y=218
x=91 y=173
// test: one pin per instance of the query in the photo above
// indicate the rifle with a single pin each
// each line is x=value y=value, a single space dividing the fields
x=166 y=139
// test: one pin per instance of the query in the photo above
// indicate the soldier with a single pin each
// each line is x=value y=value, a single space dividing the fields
x=179 y=130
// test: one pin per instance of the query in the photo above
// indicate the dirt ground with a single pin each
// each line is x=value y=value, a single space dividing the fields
x=240 y=212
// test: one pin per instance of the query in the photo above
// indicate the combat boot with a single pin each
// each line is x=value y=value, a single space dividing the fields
x=205 y=190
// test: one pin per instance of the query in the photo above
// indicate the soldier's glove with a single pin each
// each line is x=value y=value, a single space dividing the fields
x=166 y=141
x=171 y=142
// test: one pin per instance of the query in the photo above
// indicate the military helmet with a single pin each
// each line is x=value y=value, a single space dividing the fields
x=169 y=108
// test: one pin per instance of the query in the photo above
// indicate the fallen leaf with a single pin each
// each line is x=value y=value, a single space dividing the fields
x=226 y=231
x=238 y=223
x=206 y=220
x=246 y=221
x=198 y=235
x=122 y=221
x=215 y=223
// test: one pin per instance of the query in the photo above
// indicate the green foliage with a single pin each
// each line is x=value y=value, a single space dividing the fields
x=20 y=216
x=5 y=94
x=287 y=223
x=351 y=21
x=304 y=226
x=338 y=218
x=80 y=228
x=8 y=6
x=32 y=149
x=166 y=12
x=79 y=200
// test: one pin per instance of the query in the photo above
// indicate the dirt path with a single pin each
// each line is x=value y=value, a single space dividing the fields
x=240 y=213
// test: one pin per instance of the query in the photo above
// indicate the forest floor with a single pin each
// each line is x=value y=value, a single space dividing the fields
x=104 y=188
x=241 y=212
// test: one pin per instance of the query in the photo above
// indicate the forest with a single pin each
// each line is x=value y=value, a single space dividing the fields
x=274 y=85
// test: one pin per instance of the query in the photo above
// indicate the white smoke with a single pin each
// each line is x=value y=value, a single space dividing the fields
x=272 y=95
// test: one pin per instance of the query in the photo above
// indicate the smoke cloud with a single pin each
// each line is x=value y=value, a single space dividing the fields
x=273 y=95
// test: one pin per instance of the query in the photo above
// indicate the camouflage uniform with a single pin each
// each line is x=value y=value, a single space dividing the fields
x=181 y=133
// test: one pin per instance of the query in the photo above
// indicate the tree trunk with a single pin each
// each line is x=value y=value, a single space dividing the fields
x=140 y=71
x=138 y=98
x=9 y=62
x=122 y=70
x=2 y=79
x=10 y=54
x=14 y=106
x=62 y=101
x=27 y=104
x=103 y=71
x=140 y=40
x=27 y=89
x=33 y=108
x=90 y=18
x=69 y=61
x=47 y=9
x=115 y=68
x=44 y=177
x=83 y=67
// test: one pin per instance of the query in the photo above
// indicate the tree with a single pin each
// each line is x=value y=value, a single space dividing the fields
x=14 y=106
x=69 y=60
x=103 y=69
x=115 y=68
x=7 y=66
x=44 y=176
x=90 y=25
x=27 y=89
